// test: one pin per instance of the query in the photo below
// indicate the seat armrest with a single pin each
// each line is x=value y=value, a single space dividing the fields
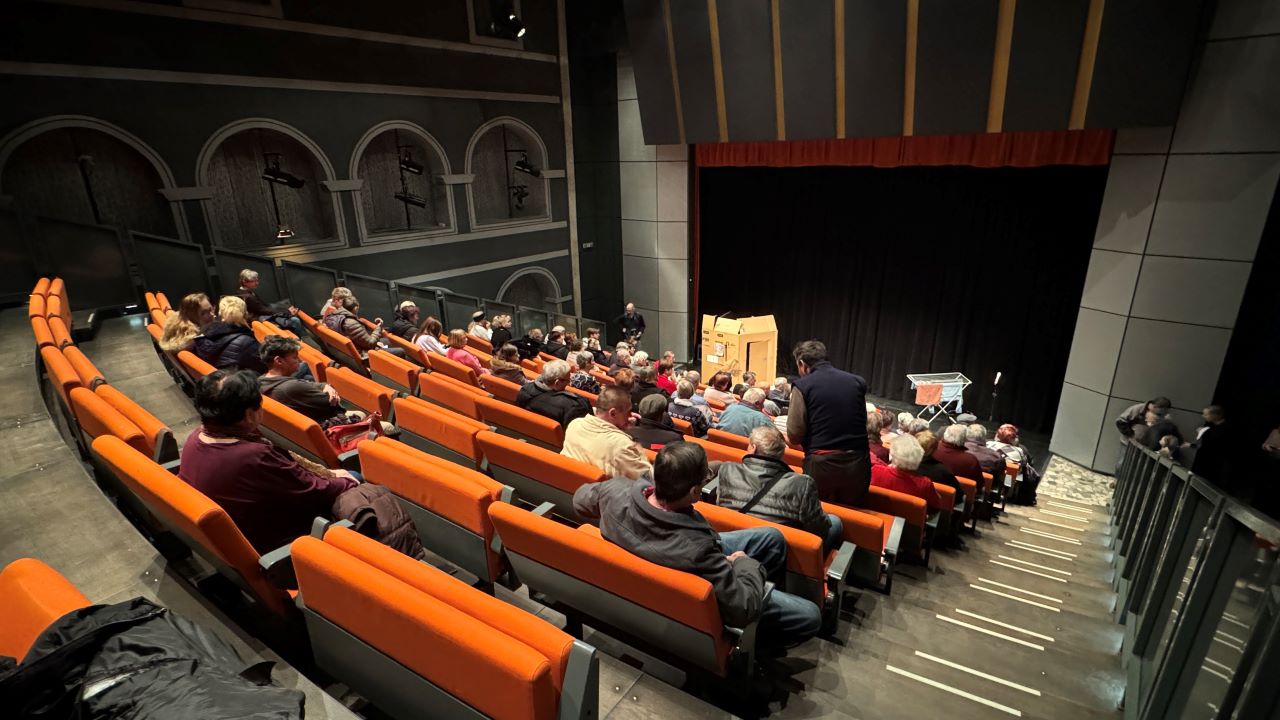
x=895 y=536
x=277 y=568
x=839 y=569
x=931 y=521
x=172 y=466
x=544 y=508
x=580 y=695
x=710 y=490
x=507 y=495
x=350 y=460
x=320 y=526
x=745 y=636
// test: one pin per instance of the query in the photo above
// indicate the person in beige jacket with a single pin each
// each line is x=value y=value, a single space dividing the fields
x=601 y=440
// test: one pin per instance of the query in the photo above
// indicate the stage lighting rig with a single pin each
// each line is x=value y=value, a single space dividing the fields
x=506 y=24
x=523 y=165
x=273 y=174
x=409 y=198
x=407 y=163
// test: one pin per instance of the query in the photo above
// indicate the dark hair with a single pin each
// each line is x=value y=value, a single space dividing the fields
x=510 y=353
x=665 y=366
x=277 y=346
x=739 y=390
x=555 y=336
x=1216 y=411
x=679 y=468
x=1161 y=402
x=613 y=397
x=430 y=326
x=223 y=397
x=351 y=303
x=809 y=352
x=721 y=381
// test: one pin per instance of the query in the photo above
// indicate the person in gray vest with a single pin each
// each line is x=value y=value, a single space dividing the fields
x=763 y=486
x=828 y=418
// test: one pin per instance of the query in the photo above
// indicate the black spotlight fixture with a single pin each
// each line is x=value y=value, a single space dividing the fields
x=272 y=172
x=407 y=163
x=506 y=24
x=523 y=165
x=413 y=199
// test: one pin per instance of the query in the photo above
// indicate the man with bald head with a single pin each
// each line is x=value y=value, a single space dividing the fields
x=631 y=323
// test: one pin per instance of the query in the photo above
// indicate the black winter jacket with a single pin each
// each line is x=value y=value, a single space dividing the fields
x=560 y=405
x=229 y=347
x=142 y=662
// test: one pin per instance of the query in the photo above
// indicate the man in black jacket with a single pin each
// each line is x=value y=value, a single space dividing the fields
x=284 y=314
x=654 y=429
x=555 y=345
x=547 y=396
x=530 y=345
x=631 y=323
x=828 y=418
x=659 y=523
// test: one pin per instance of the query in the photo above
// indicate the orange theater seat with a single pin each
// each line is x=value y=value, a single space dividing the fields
x=876 y=543
x=728 y=439
x=452 y=368
x=684 y=426
x=96 y=418
x=341 y=348
x=719 y=451
x=538 y=475
x=194 y=366
x=161 y=445
x=317 y=361
x=480 y=344
x=33 y=596
x=58 y=291
x=412 y=352
x=591 y=397
x=294 y=431
x=57 y=308
x=602 y=378
x=913 y=510
x=41 y=287
x=158 y=317
x=521 y=424
x=37 y=306
x=360 y=392
x=150 y=299
x=504 y=390
x=61 y=373
x=61 y=334
x=40 y=329
x=453 y=394
x=439 y=431
x=163 y=301
x=393 y=372
x=194 y=518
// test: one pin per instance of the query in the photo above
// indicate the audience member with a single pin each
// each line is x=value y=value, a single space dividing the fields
x=1162 y=435
x=905 y=421
x=625 y=378
x=918 y=425
x=718 y=389
x=654 y=429
x=592 y=345
x=764 y=486
x=501 y=331
x=547 y=396
x=405 y=322
x=699 y=416
x=556 y=346
x=195 y=312
x=929 y=465
x=888 y=425
x=228 y=343
x=346 y=321
x=506 y=365
x=479 y=326
x=669 y=356
x=621 y=360
x=952 y=453
x=749 y=379
x=780 y=393
x=828 y=418
x=1006 y=443
x=742 y=417
x=645 y=384
x=271 y=497
x=1135 y=416
x=875 y=443
x=900 y=474
x=282 y=313
x=739 y=390
x=428 y=337
x=631 y=323
x=695 y=378
x=1213 y=454
x=335 y=300
x=601 y=439
x=664 y=379
x=639 y=359
x=459 y=353
x=529 y=345
x=658 y=522
x=976 y=443
x=582 y=378
x=318 y=401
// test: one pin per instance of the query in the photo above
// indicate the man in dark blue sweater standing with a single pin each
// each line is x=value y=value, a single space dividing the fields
x=828 y=418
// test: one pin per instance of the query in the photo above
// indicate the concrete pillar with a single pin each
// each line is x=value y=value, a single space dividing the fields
x=1179 y=227
x=655 y=226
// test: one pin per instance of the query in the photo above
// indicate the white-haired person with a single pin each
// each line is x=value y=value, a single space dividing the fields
x=900 y=473
x=582 y=378
x=952 y=453
x=905 y=419
x=742 y=417
x=683 y=407
x=500 y=331
x=621 y=360
x=975 y=441
x=547 y=396
x=639 y=359
x=780 y=393
x=281 y=313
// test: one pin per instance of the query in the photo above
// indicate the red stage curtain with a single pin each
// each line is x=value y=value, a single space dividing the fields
x=1014 y=149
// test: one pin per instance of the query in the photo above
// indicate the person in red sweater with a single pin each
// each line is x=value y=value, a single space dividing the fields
x=952 y=453
x=900 y=474
x=664 y=379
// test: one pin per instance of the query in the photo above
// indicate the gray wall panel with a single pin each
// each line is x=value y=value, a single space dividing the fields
x=647 y=32
x=953 y=65
x=1144 y=51
x=746 y=54
x=1043 y=60
x=420 y=261
x=808 y=69
x=875 y=42
x=691 y=28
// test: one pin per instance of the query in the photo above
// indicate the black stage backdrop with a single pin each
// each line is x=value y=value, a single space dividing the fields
x=910 y=270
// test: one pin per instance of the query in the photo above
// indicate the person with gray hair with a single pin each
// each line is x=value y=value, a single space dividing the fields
x=952 y=453
x=581 y=378
x=916 y=426
x=282 y=313
x=905 y=423
x=745 y=415
x=764 y=486
x=547 y=396
x=695 y=378
x=639 y=359
x=646 y=384
x=975 y=443
x=621 y=359
x=900 y=474
x=683 y=407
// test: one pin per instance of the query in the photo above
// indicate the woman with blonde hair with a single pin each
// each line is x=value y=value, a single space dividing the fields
x=181 y=328
x=228 y=343
x=459 y=353
x=334 y=302
x=501 y=328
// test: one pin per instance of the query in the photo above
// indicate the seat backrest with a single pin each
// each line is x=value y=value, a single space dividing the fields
x=862 y=529
x=534 y=364
x=718 y=451
x=452 y=431
x=602 y=378
x=157 y=317
x=716 y=405
x=453 y=369
x=316 y=360
x=412 y=352
x=40 y=329
x=63 y=376
x=591 y=397
x=341 y=345
x=360 y=391
x=96 y=418
x=297 y=432
x=890 y=502
x=61 y=334
x=157 y=434
x=194 y=366
x=150 y=298
x=308 y=322
x=163 y=301
x=55 y=307
x=192 y=515
x=453 y=394
x=58 y=289
x=521 y=422
x=728 y=439
x=680 y=596
x=274 y=329
x=684 y=426
x=504 y=390
x=489 y=670
x=480 y=344
x=805 y=555
x=41 y=287
x=389 y=368
x=37 y=306
x=33 y=595
x=793 y=457
x=539 y=464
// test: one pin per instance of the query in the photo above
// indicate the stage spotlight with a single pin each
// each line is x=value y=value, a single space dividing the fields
x=523 y=165
x=407 y=163
x=506 y=24
x=409 y=198
x=273 y=173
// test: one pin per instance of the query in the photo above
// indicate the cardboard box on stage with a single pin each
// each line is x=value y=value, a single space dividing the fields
x=738 y=345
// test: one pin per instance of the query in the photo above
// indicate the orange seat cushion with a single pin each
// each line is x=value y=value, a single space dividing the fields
x=450 y=393
x=63 y=376
x=360 y=391
x=40 y=329
x=150 y=425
